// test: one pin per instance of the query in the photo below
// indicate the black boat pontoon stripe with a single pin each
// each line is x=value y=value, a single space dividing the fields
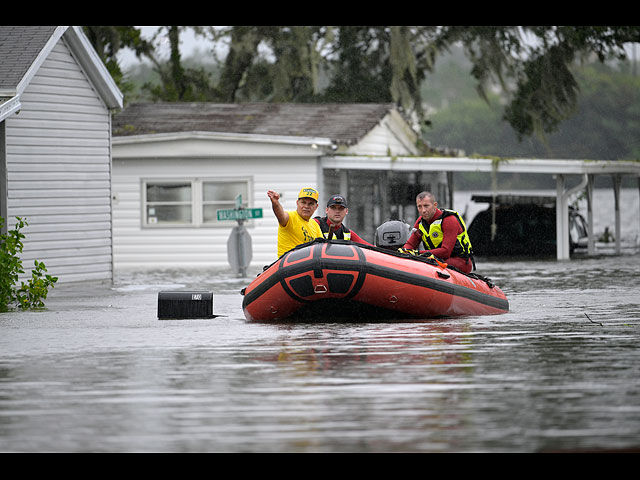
x=293 y=270
x=317 y=257
x=362 y=274
x=438 y=285
x=364 y=269
x=317 y=264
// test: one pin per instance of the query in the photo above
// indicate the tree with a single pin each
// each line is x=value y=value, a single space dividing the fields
x=531 y=64
x=273 y=63
x=381 y=64
x=605 y=124
x=109 y=40
x=177 y=83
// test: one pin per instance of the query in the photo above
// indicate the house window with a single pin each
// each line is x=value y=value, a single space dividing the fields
x=221 y=195
x=169 y=203
x=191 y=202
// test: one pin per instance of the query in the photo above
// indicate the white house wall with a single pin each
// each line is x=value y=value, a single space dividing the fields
x=143 y=247
x=392 y=136
x=58 y=168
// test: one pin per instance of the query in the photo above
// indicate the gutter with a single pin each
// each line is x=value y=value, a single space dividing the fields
x=313 y=142
x=10 y=105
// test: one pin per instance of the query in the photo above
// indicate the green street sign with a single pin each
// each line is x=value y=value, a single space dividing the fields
x=239 y=214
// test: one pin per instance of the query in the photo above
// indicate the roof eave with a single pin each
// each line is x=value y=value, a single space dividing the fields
x=318 y=142
x=37 y=63
x=88 y=59
x=94 y=67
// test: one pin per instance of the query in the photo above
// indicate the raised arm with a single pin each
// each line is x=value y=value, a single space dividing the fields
x=281 y=215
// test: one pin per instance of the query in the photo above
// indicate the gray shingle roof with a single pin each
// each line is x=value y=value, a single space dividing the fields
x=343 y=123
x=19 y=47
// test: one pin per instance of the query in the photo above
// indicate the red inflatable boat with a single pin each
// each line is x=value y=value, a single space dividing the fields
x=331 y=280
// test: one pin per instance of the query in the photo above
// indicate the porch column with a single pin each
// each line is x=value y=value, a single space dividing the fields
x=562 y=220
x=616 y=193
x=591 y=244
x=562 y=214
x=450 y=184
x=344 y=183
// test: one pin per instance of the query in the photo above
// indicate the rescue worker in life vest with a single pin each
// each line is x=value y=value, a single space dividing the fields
x=335 y=212
x=443 y=232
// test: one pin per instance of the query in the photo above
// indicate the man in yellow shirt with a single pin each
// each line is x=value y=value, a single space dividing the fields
x=296 y=226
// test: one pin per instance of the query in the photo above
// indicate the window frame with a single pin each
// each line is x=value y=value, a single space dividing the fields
x=197 y=201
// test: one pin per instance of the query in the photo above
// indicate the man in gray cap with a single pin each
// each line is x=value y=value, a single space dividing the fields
x=335 y=212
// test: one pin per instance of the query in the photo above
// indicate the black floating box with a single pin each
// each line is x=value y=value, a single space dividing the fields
x=176 y=305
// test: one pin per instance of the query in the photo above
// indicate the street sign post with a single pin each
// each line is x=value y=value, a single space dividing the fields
x=239 y=250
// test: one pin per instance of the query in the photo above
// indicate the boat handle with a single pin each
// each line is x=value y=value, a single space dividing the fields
x=320 y=289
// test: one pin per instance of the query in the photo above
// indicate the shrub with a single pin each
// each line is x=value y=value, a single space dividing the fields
x=28 y=295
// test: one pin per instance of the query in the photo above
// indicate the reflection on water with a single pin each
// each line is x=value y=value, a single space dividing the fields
x=97 y=371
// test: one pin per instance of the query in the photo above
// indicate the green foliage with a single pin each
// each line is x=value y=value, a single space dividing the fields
x=450 y=81
x=179 y=84
x=274 y=63
x=108 y=41
x=381 y=64
x=532 y=65
x=604 y=126
x=28 y=295
x=546 y=93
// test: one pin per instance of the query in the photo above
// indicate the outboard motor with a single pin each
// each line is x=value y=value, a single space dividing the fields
x=392 y=235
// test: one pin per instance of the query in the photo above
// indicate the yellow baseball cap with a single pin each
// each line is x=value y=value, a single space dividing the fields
x=309 y=193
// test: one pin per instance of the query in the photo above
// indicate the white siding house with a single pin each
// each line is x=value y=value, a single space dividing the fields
x=55 y=154
x=172 y=162
x=183 y=169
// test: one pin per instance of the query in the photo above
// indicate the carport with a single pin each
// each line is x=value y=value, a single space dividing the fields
x=561 y=169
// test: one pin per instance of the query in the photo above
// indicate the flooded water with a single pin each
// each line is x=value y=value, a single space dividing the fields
x=98 y=372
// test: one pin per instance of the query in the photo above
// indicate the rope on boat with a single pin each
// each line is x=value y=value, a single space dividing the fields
x=430 y=260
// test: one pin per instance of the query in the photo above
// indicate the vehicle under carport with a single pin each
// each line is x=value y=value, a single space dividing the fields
x=525 y=225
